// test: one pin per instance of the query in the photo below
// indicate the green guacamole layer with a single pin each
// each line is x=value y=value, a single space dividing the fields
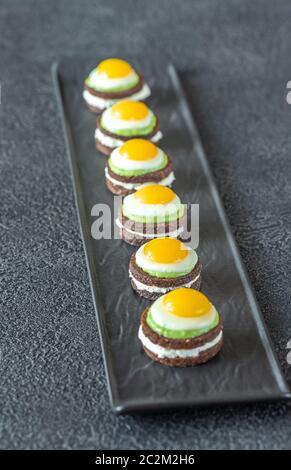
x=180 y=334
x=168 y=274
x=129 y=173
x=155 y=219
x=89 y=82
x=129 y=132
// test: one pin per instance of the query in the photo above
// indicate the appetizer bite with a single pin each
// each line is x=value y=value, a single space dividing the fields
x=152 y=211
x=124 y=121
x=181 y=328
x=111 y=81
x=163 y=264
x=136 y=162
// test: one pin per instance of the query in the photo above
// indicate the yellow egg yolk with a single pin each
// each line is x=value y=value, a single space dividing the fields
x=185 y=302
x=114 y=68
x=129 y=111
x=154 y=194
x=165 y=250
x=138 y=149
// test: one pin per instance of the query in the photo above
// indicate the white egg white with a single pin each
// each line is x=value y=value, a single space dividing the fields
x=126 y=164
x=172 y=322
x=134 y=207
x=102 y=82
x=147 y=265
x=110 y=122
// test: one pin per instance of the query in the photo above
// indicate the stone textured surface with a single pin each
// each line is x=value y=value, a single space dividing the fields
x=234 y=62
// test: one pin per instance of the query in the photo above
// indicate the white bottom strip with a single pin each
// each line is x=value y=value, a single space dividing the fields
x=174 y=233
x=159 y=290
x=113 y=142
x=165 y=182
x=162 y=352
x=103 y=103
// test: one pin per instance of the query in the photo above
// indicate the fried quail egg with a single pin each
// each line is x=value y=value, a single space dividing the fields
x=166 y=255
x=183 y=309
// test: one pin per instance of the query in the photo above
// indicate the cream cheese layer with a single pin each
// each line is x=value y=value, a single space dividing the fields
x=165 y=353
x=103 y=103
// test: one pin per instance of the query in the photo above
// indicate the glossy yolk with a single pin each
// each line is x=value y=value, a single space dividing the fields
x=185 y=302
x=138 y=149
x=129 y=111
x=114 y=68
x=165 y=250
x=154 y=194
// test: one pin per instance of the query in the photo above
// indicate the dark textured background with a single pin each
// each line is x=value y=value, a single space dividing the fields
x=234 y=59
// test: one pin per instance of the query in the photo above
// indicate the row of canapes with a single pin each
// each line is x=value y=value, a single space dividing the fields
x=181 y=327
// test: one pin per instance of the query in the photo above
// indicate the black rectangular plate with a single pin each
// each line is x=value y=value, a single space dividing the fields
x=246 y=369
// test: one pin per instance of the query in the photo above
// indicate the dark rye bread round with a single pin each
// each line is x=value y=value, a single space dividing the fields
x=94 y=109
x=170 y=343
x=107 y=150
x=155 y=295
x=117 y=95
x=146 y=278
x=191 y=343
x=116 y=189
x=152 y=177
x=169 y=283
x=124 y=137
x=203 y=357
x=103 y=148
x=154 y=229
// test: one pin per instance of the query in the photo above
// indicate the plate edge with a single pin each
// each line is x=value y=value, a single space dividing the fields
x=105 y=347
x=260 y=321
